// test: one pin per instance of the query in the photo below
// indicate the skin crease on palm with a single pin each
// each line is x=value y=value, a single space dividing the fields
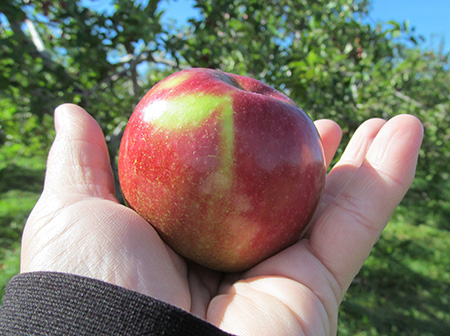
x=78 y=227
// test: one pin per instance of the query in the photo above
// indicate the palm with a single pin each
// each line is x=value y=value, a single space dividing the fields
x=78 y=227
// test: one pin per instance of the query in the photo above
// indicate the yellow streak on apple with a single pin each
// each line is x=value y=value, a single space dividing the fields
x=190 y=111
x=173 y=81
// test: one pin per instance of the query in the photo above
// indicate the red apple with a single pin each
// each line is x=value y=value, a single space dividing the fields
x=228 y=170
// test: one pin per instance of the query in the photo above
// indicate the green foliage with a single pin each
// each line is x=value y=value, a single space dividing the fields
x=321 y=53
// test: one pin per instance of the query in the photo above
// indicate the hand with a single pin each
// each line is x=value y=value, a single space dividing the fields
x=78 y=227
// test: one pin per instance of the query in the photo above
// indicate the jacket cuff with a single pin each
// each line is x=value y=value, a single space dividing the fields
x=47 y=303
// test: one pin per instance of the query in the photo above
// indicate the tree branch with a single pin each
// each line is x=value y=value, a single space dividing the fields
x=133 y=61
x=37 y=49
x=35 y=37
x=408 y=99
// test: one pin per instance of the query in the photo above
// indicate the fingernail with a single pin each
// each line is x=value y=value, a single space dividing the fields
x=60 y=116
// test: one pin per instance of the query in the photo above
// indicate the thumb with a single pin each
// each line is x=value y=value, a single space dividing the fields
x=78 y=161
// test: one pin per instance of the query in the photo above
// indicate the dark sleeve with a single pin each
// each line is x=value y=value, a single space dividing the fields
x=44 y=303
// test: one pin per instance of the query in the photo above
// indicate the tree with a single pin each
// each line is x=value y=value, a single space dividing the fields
x=336 y=66
x=323 y=54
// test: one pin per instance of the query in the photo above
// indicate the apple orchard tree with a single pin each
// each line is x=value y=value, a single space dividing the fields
x=326 y=55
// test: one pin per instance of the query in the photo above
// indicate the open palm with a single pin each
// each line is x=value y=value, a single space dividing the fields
x=79 y=227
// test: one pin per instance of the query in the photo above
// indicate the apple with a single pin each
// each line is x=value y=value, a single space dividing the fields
x=228 y=170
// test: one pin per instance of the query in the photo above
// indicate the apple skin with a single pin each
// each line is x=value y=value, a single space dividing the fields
x=228 y=170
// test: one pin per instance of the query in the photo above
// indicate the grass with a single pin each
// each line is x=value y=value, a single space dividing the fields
x=20 y=186
x=403 y=289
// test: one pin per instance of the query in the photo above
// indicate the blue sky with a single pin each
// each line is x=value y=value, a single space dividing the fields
x=431 y=18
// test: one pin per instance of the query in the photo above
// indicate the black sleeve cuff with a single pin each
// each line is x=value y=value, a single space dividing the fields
x=44 y=303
